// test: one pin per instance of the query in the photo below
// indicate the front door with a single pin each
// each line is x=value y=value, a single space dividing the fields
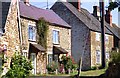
x=33 y=60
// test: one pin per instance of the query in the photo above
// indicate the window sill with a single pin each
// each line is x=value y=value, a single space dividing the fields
x=56 y=43
x=32 y=40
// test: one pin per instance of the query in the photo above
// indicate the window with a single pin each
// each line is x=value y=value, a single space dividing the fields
x=50 y=58
x=32 y=33
x=24 y=53
x=98 y=54
x=55 y=37
x=106 y=37
x=97 y=36
x=107 y=56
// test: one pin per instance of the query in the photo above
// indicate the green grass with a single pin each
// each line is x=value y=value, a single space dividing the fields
x=83 y=73
x=92 y=72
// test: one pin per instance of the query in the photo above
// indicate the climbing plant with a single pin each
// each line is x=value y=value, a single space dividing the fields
x=42 y=29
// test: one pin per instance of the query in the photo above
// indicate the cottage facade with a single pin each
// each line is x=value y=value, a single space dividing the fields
x=21 y=36
x=86 y=33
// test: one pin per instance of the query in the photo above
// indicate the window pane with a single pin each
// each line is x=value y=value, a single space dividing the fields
x=50 y=58
x=106 y=37
x=57 y=39
x=97 y=36
x=55 y=36
x=98 y=56
x=32 y=33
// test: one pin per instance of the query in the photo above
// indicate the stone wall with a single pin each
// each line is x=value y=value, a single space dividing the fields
x=96 y=45
x=41 y=63
x=64 y=37
x=25 y=25
x=41 y=58
x=80 y=35
x=11 y=36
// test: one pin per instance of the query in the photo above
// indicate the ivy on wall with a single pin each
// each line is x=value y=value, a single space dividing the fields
x=42 y=29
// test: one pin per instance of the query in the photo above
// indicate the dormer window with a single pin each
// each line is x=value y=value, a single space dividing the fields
x=32 y=33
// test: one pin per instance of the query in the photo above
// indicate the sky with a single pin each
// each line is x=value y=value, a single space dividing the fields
x=87 y=4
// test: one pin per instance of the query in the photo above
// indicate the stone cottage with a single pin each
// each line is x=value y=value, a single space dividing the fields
x=85 y=33
x=21 y=35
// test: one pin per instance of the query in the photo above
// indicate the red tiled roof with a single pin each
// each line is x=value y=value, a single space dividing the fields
x=36 y=13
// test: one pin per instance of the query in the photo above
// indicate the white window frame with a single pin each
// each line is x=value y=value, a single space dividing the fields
x=107 y=55
x=50 y=56
x=56 y=42
x=106 y=38
x=97 y=36
x=33 y=62
x=98 y=57
x=24 y=53
x=34 y=26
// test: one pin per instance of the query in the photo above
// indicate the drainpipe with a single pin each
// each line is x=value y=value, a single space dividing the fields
x=19 y=26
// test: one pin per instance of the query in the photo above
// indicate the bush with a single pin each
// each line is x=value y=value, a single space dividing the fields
x=20 y=67
x=114 y=66
x=115 y=57
x=93 y=67
x=51 y=67
x=68 y=63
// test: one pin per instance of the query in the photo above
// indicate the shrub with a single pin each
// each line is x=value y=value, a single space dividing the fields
x=68 y=63
x=114 y=66
x=20 y=67
x=115 y=57
x=93 y=67
x=51 y=67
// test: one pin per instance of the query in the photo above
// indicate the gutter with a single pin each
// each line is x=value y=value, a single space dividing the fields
x=19 y=26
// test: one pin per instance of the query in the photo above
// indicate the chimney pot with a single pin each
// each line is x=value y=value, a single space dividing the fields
x=96 y=12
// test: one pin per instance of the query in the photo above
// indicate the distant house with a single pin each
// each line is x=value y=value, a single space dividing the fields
x=21 y=34
x=85 y=33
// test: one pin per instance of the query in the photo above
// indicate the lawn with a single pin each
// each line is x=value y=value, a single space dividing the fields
x=83 y=73
x=92 y=72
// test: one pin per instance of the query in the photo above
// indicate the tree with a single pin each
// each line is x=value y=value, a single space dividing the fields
x=113 y=5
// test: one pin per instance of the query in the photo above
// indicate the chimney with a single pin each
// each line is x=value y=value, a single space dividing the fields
x=96 y=12
x=26 y=2
x=75 y=3
x=108 y=17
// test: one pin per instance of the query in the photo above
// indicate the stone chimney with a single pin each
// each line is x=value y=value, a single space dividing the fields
x=108 y=17
x=96 y=12
x=26 y=2
x=75 y=3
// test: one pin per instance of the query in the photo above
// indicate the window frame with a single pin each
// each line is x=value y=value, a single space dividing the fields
x=106 y=38
x=24 y=53
x=98 y=59
x=33 y=33
x=97 y=37
x=58 y=37
x=50 y=55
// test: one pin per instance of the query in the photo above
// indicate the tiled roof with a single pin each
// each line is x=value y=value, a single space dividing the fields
x=36 y=13
x=88 y=19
